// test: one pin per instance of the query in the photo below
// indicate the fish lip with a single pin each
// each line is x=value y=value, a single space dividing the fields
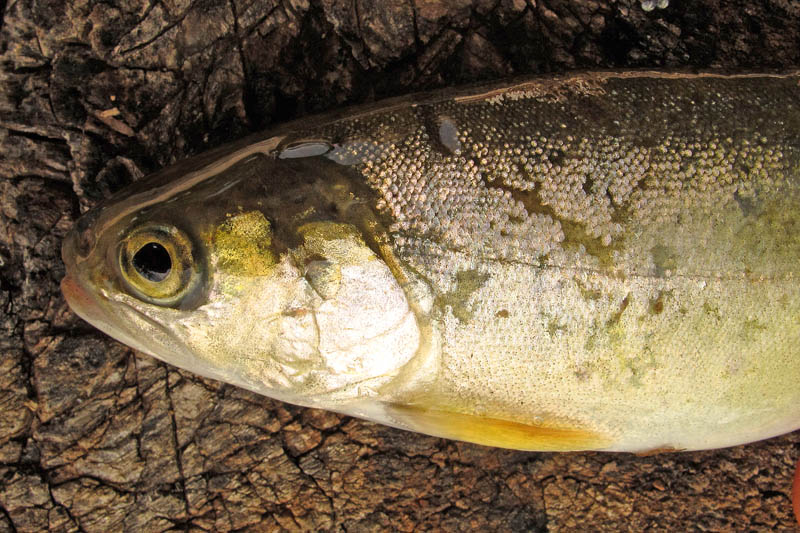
x=75 y=293
x=95 y=308
x=83 y=302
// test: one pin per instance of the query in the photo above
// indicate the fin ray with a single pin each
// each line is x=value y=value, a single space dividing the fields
x=498 y=432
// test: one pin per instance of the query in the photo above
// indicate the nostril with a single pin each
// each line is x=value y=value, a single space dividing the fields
x=77 y=245
x=85 y=243
x=83 y=234
x=85 y=221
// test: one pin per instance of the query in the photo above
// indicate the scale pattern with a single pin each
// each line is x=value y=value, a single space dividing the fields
x=565 y=176
x=619 y=253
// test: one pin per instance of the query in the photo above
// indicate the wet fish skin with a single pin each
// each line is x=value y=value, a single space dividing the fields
x=597 y=261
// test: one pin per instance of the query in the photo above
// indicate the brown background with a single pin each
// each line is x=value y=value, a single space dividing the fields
x=94 y=437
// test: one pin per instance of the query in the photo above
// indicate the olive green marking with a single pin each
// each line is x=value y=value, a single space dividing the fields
x=656 y=305
x=588 y=294
x=243 y=245
x=664 y=258
x=467 y=283
x=334 y=241
x=329 y=231
x=575 y=234
x=751 y=330
x=617 y=316
x=772 y=229
x=555 y=326
x=712 y=311
x=613 y=335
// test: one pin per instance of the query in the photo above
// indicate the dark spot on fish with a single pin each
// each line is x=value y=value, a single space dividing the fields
x=742 y=167
x=751 y=330
x=746 y=204
x=610 y=197
x=588 y=294
x=588 y=183
x=295 y=313
x=591 y=340
x=617 y=316
x=312 y=258
x=557 y=157
x=543 y=259
x=664 y=258
x=712 y=310
x=582 y=374
x=657 y=303
x=554 y=327
x=503 y=313
x=467 y=282
x=657 y=306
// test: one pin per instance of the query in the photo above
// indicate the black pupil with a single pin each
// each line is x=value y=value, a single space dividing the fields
x=152 y=261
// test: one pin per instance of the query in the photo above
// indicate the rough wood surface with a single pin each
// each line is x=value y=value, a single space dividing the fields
x=94 y=437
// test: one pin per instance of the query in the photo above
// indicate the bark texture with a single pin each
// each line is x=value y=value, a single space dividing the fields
x=95 y=437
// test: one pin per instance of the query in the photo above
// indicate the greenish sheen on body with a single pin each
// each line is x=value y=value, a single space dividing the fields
x=597 y=261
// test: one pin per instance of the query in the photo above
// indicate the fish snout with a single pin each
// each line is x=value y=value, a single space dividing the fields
x=80 y=300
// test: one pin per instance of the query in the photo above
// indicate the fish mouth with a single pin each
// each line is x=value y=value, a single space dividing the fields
x=81 y=300
x=85 y=303
x=100 y=312
x=78 y=298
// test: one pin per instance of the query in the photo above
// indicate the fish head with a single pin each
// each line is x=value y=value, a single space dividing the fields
x=252 y=271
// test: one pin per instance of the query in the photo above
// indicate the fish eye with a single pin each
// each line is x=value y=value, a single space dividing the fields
x=152 y=261
x=157 y=264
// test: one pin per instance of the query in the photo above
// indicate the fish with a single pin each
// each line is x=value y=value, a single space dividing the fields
x=593 y=261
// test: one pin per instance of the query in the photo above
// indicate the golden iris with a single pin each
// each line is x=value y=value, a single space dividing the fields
x=157 y=264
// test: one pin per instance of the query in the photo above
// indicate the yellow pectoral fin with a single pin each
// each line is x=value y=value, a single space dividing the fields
x=501 y=433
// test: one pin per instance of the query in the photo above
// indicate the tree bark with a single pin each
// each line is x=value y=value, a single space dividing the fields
x=96 y=437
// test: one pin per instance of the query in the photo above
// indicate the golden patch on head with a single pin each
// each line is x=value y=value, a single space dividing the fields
x=243 y=244
x=335 y=241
